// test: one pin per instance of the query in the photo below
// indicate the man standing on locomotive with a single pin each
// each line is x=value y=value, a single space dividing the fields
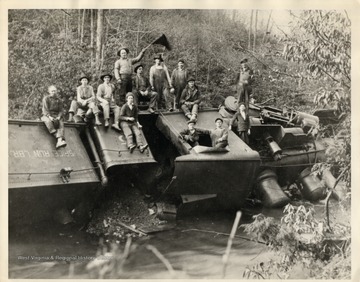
x=123 y=73
x=52 y=110
x=244 y=83
x=160 y=82
x=179 y=78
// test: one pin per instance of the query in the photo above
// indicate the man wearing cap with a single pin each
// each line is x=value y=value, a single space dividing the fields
x=130 y=124
x=123 y=73
x=242 y=120
x=190 y=99
x=105 y=95
x=179 y=78
x=52 y=110
x=219 y=135
x=228 y=110
x=160 y=83
x=142 y=89
x=244 y=83
x=191 y=134
x=85 y=104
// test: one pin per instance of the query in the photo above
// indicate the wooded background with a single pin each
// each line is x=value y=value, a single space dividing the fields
x=304 y=66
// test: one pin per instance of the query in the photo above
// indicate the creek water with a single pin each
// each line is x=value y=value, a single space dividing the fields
x=194 y=248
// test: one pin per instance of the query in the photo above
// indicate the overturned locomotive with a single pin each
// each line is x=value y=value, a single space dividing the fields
x=44 y=182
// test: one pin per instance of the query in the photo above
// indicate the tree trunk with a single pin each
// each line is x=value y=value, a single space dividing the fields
x=137 y=36
x=99 y=37
x=92 y=32
x=197 y=57
x=79 y=22
x=104 y=45
x=234 y=15
x=255 y=29
x=267 y=27
x=82 y=27
x=250 y=27
x=208 y=76
x=65 y=27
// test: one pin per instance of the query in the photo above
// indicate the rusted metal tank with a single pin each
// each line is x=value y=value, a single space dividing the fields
x=312 y=187
x=271 y=194
x=229 y=173
x=44 y=180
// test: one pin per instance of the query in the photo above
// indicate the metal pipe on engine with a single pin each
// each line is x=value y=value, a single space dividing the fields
x=104 y=179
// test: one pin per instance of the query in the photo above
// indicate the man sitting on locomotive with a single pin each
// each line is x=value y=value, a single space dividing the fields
x=191 y=134
x=218 y=135
x=52 y=110
x=190 y=99
x=105 y=95
x=142 y=89
x=130 y=124
x=85 y=103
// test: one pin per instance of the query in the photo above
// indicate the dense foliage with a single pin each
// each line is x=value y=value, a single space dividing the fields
x=301 y=240
x=323 y=44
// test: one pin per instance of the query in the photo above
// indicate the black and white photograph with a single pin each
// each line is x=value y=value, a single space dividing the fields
x=179 y=141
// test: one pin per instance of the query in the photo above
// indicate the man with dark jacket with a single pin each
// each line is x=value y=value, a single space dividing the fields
x=190 y=99
x=243 y=123
x=191 y=134
x=142 y=89
x=52 y=110
x=130 y=125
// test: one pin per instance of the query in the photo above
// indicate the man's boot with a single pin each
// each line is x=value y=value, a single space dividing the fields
x=71 y=117
x=97 y=121
x=193 y=118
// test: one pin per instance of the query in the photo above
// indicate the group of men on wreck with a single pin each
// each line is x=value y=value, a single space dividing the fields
x=161 y=91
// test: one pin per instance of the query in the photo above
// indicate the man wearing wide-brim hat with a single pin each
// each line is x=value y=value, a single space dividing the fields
x=245 y=80
x=161 y=83
x=85 y=105
x=190 y=99
x=123 y=73
x=142 y=89
x=105 y=95
x=179 y=78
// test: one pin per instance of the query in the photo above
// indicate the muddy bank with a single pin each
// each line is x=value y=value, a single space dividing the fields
x=123 y=213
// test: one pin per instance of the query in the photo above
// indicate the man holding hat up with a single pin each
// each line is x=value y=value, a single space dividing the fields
x=123 y=73
x=190 y=99
x=142 y=89
x=130 y=124
x=105 y=95
x=179 y=78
